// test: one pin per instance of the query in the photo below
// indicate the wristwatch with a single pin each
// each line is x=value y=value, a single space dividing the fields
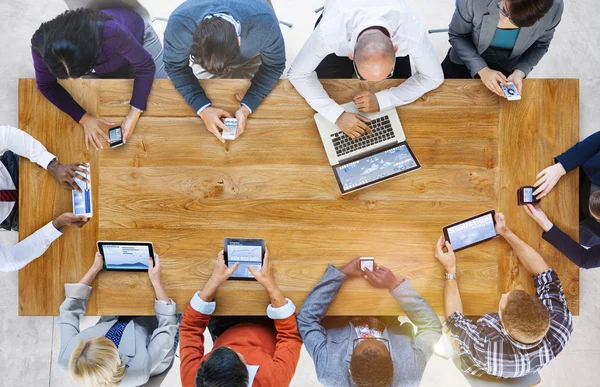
x=449 y=276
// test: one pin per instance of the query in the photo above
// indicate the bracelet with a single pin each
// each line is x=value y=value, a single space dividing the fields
x=449 y=276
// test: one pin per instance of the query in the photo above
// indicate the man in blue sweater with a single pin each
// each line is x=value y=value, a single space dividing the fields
x=224 y=39
x=585 y=154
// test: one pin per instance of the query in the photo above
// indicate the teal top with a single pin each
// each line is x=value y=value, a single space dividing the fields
x=505 y=38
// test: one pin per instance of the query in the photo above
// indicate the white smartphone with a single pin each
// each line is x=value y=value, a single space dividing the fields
x=367 y=263
x=82 y=201
x=231 y=124
x=511 y=92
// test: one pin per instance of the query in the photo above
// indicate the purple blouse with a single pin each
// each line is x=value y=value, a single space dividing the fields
x=121 y=43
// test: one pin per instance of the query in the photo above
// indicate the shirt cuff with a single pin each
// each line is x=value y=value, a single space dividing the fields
x=334 y=113
x=202 y=108
x=167 y=308
x=384 y=99
x=247 y=107
x=201 y=306
x=454 y=318
x=544 y=278
x=78 y=291
x=45 y=159
x=282 y=312
x=50 y=232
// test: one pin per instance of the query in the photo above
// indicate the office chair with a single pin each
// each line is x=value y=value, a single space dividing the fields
x=491 y=381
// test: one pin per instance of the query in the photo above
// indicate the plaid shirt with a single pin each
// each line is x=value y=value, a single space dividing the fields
x=485 y=348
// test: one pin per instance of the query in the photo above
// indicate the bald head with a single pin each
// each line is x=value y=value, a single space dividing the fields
x=374 y=55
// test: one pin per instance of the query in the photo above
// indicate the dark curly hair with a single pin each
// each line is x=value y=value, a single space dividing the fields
x=372 y=368
x=223 y=368
x=69 y=44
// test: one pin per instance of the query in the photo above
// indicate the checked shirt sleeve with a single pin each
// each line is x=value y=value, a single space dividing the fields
x=468 y=343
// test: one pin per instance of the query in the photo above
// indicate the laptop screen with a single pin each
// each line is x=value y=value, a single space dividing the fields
x=375 y=167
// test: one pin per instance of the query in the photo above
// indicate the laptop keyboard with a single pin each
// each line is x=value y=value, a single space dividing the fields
x=382 y=131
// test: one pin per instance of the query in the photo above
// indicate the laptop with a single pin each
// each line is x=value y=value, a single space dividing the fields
x=371 y=158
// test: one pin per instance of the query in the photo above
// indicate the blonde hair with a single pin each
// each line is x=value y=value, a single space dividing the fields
x=96 y=363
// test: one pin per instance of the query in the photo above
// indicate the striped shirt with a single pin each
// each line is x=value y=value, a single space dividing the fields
x=485 y=348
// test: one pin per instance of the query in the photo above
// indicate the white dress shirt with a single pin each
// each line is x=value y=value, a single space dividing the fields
x=21 y=143
x=342 y=22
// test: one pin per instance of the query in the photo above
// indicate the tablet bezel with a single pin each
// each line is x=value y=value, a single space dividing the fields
x=263 y=246
x=369 y=154
x=101 y=244
x=445 y=229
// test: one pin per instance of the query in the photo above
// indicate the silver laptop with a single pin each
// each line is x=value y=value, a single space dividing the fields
x=371 y=158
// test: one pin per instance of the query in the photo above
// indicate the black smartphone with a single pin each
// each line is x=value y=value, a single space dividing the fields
x=115 y=136
x=525 y=196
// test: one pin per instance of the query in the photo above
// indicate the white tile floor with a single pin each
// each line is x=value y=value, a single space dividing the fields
x=29 y=345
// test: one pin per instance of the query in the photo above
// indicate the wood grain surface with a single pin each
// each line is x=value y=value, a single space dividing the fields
x=174 y=184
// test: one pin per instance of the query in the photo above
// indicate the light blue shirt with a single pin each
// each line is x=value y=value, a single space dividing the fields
x=505 y=38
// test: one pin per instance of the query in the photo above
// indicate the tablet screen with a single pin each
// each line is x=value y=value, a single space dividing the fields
x=246 y=253
x=471 y=231
x=126 y=257
x=375 y=167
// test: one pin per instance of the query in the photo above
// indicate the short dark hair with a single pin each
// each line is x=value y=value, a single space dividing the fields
x=525 y=318
x=372 y=368
x=594 y=203
x=215 y=46
x=222 y=368
x=69 y=44
x=524 y=13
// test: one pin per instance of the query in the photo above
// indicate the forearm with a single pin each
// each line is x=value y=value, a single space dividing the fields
x=207 y=294
x=89 y=277
x=533 y=262
x=276 y=296
x=159 y=290
x=452 y=301
x=28 y=249
x=579 y=255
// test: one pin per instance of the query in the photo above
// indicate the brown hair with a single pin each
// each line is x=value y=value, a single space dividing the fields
x=524 y=13
x=594 y=204
x=215 y=46
x=525 y=318
x=96 y=363
x=372 y=368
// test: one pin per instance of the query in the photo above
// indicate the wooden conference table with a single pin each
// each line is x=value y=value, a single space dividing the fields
x=174 y=184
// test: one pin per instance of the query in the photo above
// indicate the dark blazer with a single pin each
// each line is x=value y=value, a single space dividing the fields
x=473 y=27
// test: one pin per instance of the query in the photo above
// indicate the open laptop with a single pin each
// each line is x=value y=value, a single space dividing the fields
x=371 y=158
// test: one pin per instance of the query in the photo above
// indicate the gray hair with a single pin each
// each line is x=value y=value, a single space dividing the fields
x=373 y=44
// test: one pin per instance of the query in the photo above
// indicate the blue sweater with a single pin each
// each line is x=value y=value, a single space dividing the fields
x=260 y=34
x=585 y=153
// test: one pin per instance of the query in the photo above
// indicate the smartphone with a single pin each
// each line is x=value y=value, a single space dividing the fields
x=367 y=263
x=82 y=201
x=511 y=92
x=115 y=136
x=525 y=196
x=231 y=124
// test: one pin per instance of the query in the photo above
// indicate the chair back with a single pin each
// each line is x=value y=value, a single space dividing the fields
x=133 y=5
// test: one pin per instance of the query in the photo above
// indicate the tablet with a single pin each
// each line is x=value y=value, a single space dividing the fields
x=471 y=231
x=246 y=252
x=125 y=256
x=374 y=167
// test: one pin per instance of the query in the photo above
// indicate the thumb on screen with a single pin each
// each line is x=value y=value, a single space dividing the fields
x=233 y=268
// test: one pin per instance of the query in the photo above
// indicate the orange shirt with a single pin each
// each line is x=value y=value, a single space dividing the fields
x=276 y=353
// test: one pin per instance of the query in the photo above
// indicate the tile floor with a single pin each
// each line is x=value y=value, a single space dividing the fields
x=29 y=345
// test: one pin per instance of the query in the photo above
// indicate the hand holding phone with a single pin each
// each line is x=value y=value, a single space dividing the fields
x=525 y=196
x=511 y=92
x=367 y=263
x=231 y=124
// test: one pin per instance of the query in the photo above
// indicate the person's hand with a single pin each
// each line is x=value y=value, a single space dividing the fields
x=92 y=126
x=98 y=264
x=70 y=220
x=353 y=124
x=221 y=272
x=66 y=174
x=352 y=268
x=129 y=123
x=447 y=259
x=212 y=118
x=264 y=276
x=366 y=101
x=517 y=78
x=492 y=80
x=382 y=278
x=154 y=267
x=539 y=216
x=547 y=179
x=241 y=115
x=501 y=227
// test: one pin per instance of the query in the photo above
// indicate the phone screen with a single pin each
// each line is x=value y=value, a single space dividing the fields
x=115 y=135
x=528 y=195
